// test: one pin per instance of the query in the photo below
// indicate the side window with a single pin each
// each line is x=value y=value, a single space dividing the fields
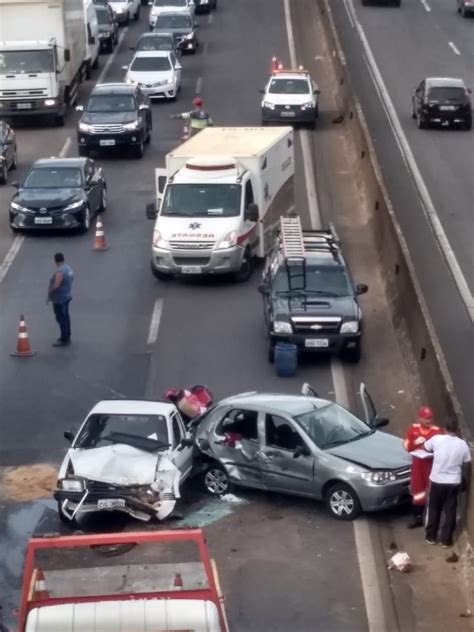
x=240 y=422
x=89 y=33
x=280 y=433
x=248 y=194
x=177 y=431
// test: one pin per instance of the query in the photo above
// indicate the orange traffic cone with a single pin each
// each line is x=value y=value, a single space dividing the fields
x=274 y=64
x=23 y=349
x=40 y=586
x=99 y=242
x=178 y=581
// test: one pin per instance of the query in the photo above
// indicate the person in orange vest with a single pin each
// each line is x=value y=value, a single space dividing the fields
x=416 y=435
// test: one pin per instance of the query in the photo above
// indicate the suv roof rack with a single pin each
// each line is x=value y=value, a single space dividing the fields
x=322 y=241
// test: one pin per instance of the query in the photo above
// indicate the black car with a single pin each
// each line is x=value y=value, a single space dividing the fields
x=156 y=41
x=442 y=101
x=117 y=115
x=205 y=6
x=182 y=26
x=465 y=7
x=7 y=151
x=309 y=297
x=59 y=193
x=108 y=29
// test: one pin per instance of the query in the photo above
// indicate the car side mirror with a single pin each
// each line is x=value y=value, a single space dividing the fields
x=251 y=213
x=67 y=54
x=204 y=444
x=380 y=422
x=263 y=288
x=301 y=450
x=69 y=436
x=79 y=108
x=361 y=288
x=151 y=212
x=178 y=67
x=15 y=184
x=143 y=106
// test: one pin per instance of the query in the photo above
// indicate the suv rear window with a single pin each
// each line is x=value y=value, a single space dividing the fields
x=441 y=93
x=111 y=103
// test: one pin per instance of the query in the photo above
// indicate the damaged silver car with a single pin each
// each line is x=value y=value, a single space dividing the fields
x=128 y=456
x=305 y=446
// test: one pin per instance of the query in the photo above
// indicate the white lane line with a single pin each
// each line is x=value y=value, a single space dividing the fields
x=365 y=553
x=10 y=256
x=112 y=57
x=454 y=48
x=409 y=158
x=198 y=85
x=426 y=5
x=210 y=18
x=349 y=14
x=155 y=322
x=65 y=149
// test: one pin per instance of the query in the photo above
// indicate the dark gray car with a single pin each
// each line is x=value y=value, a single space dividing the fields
x=183 y=28
x=305 y=446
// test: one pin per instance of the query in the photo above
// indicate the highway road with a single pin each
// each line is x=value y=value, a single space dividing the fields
x=422 y=38
x=272 y=552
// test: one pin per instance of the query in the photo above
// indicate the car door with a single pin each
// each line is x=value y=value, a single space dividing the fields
x=177 y=68
x=92 y=186
x=182 y=456
x=281 y=470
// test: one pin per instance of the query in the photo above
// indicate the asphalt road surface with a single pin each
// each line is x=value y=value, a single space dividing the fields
x=210 y=332
x=423 y=38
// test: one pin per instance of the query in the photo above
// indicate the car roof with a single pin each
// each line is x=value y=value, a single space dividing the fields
x=153 y=53
x=291 y=404
x=445 y=82
x=60 y=162
x=114 y=88
x=132 y=407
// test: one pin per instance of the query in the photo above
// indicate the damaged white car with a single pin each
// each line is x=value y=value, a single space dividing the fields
x=128 y=456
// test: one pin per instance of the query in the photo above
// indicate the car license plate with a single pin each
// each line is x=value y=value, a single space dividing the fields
x=287 y=114
x=110 y=503
x=191 y=270
x=107 y=143
x=447 y=108
x=316 y=342
x=23 y=106
x=43 y=220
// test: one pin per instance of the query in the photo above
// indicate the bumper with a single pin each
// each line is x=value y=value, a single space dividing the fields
x=98 y=142
x=446 y=118
x=118 y=500
x=189 y=262
x=377 y=497
x=33 y=107
x=284 y=117
x=333 y=343
x=64 y=221
x=168 y=91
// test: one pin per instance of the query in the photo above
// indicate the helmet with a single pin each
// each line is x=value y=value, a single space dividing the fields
x=197 y=102
x=425 y=412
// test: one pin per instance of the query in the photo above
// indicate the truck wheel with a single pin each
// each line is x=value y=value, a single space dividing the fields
x=215 y=480
x=342 y=502
x=161 y=276
x=65 y=519
x=245 y=271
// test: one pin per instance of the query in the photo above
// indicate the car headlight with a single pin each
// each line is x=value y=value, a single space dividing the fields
x=267 y=104
x=189 y=36
x=282 y=327
x=84 y=127
x=71 y=485
x=379 y=477
x=159 y=242
x=162 y=83
x=132 y=82
x=73 y=205
x=350 y=327
x=229 y=241
x=49 y=102
x=17 y=207
x=131 y=126
x=307 y=106
x=119 y=10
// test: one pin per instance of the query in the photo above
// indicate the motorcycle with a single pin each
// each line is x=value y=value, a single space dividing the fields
x=191 y=401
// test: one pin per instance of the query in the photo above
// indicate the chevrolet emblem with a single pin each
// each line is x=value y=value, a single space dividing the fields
x=316 y=327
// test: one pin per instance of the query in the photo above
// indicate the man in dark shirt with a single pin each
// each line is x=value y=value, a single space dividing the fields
x=59 y=294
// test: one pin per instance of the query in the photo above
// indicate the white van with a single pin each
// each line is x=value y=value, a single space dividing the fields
x=92 y=37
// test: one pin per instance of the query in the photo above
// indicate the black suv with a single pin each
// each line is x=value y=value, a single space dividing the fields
x=117 y=115
x=442 y=101
x=309 y=297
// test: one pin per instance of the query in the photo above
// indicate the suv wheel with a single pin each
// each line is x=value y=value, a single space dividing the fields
x=420 y=121
x=342 y=502
x=468 y=123
x=215 y=480
x=103 y=202
x=354 y=355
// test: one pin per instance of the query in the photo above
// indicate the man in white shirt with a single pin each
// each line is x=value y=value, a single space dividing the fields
x=451 y=463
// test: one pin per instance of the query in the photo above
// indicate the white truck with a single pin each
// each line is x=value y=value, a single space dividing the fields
x=42 y=56
x=92 y=37
x=219 y=200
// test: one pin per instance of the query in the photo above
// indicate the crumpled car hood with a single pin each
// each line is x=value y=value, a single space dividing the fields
x=116 y=464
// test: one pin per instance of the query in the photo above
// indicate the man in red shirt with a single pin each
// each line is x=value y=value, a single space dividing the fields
x=416 y=435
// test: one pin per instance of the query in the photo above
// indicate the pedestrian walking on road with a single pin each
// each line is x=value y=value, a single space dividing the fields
x=59 y=294
x=416 y=435
x=451 y=468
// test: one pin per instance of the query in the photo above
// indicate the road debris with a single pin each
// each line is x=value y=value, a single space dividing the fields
x=28 y=482
x=400 y=562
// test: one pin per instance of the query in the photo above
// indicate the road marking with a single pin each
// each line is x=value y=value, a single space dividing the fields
x=112 y=57
x=198 y=85
x=349 y=14
x=65 y=149
x=455 y=49
x=412 y=166
x=205 y=49
x=426 y=5
x=155 y=322
x=10 y=256
x=210 y=18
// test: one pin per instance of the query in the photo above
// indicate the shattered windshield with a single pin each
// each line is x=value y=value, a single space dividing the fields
x=146 y=432
x=332 y=425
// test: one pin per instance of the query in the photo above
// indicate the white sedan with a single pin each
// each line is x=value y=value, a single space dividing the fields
x=160 y=6
x=157 y=72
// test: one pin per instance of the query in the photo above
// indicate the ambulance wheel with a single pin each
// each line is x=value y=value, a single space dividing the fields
x=245 y=271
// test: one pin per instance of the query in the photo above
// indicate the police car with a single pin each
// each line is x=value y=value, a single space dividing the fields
x=290 y=96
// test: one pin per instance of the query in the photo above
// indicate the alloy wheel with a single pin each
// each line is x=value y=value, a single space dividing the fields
x=216 y=481
x=342 y=503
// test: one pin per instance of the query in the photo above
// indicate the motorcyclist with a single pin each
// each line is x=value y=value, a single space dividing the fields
x=198 y=117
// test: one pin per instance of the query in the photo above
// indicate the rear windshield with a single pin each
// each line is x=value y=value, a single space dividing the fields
x=144 y=64
x=446 y=94
x=174 y=22
x=157 y=42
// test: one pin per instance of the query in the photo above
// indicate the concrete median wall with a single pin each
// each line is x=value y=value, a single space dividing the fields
x=408 y=308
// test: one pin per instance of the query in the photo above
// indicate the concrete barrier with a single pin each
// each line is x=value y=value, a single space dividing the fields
x=408 y=307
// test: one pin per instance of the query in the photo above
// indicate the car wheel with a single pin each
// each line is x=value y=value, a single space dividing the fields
x=103 y=203
x=245 y=271
x=83 y=151
x=95 y=65
x=311 y=125
x=110 y=46
x=59 y=120
x=270 y=351
x=161 y=276
x=420 y=121
x=86 y=220
x=14 y=161
x=342 y=502
x=137 y=14
x=467 y=125
x=140 y=149
x=148 y=136
x=215 y=480
x=353 y=355
x=88 y=72
x=4 y=173
x=64 y=518
x=413 y=113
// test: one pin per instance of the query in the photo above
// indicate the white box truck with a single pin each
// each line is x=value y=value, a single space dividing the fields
x=92 y=37
x=219 y=200
x=42 y=56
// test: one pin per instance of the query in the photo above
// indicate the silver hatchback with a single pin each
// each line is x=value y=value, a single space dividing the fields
x=305 y=446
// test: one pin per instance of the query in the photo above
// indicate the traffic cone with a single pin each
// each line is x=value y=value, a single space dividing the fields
x=99 y=242
x=40 y=586
x=274 y=64
x=178 y=581
x=23 y=349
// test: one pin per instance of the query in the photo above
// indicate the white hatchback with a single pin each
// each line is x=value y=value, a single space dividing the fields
x=159 y=6
x=157 y=72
